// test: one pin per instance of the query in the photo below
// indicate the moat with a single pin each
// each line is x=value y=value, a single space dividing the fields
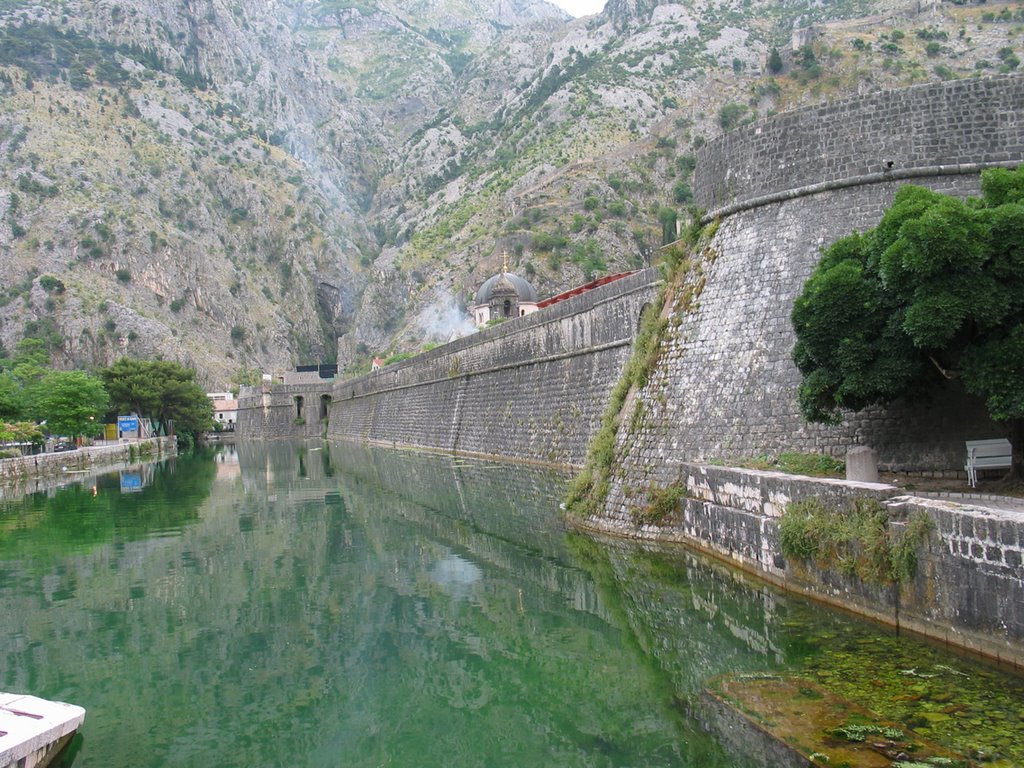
x=331 y=605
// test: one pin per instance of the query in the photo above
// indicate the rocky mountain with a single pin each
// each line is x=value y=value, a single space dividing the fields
x=243 y=185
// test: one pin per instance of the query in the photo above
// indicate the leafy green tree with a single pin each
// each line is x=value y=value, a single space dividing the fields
x=11 y=401
x=935 y=291
x=774 y=61
x=70 y=402
x=163 y=391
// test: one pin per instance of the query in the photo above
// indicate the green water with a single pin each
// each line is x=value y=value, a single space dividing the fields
x=315 y=605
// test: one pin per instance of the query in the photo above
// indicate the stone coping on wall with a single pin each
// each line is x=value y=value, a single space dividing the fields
x=768 y=492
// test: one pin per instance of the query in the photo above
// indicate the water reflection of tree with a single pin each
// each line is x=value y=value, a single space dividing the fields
x=43 y=526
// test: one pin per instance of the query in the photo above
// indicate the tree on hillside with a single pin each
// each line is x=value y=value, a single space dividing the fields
x=163 y=391
x=935 y=291
x=70 y=402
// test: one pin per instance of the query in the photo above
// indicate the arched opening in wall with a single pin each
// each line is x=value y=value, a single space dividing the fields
x=640 y=317
x=299 y=402
x=507 y=309
x=325 y=407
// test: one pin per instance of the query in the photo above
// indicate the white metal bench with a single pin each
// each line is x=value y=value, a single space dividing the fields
x=987 y=454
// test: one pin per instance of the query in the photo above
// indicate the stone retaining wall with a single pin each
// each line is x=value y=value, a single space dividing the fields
x=24 y=468
x=969 y=587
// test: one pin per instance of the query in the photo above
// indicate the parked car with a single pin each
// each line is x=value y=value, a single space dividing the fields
x=64 y=445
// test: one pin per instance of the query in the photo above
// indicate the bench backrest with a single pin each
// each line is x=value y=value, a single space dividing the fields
x=985 y=449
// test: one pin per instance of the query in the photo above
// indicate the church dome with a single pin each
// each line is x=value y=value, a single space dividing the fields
x=505 y=283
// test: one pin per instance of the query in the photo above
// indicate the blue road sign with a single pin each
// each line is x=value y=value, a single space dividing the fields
x=128 y=423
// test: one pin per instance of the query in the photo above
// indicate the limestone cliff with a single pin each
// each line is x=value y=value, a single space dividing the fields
x=240 y=185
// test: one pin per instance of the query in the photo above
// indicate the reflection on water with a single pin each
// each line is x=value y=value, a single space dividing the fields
x=318 y=605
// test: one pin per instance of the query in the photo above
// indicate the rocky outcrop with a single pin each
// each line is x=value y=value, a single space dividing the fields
x=242 y=185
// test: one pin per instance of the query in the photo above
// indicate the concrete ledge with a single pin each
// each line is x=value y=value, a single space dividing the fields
x=33 y=731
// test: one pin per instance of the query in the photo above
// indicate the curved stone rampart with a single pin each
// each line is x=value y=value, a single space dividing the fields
x=787 y=188
x=926 y=130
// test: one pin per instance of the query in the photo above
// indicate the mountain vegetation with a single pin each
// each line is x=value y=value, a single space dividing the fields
x=241 y=186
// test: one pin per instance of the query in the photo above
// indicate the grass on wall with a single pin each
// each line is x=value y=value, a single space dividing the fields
x=682 y=285
x=857 y=541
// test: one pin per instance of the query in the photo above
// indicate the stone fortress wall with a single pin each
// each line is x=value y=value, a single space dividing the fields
x=725 y=386
x=276 y=410
x=782 y=190
x=533 y=388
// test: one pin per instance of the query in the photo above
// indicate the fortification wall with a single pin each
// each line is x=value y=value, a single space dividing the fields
x=533 y=388
x=284 y=410
x=726 y=385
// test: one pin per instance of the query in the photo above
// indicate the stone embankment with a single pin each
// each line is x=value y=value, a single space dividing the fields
x=968 y=589
x=25 y=474
x=725 y=386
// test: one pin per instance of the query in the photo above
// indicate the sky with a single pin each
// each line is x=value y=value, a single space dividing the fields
x=580 y=7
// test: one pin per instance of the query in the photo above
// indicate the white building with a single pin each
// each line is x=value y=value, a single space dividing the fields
x=225 y=409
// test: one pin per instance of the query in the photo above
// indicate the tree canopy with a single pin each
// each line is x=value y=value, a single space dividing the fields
x=65 y=400
x=70 y=402
x=20 y=432
x=160 y=390
x=935 y=291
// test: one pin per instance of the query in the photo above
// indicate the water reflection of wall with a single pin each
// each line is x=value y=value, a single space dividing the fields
x=263 y=630
x=694 y=618
x=504 y=515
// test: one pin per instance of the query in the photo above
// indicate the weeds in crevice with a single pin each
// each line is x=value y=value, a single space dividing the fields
x=662 y=504
x=790 y=462
x=861 y=540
